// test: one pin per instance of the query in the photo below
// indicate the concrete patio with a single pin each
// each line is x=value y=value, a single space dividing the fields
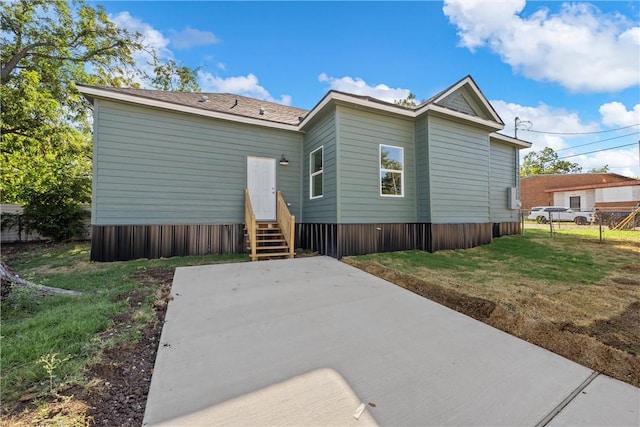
x=314 y=341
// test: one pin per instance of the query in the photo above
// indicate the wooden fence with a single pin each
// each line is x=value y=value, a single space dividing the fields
x=16 y=233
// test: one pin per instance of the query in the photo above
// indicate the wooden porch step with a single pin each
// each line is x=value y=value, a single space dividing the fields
x=278 y=234
x=273 y=254
x=270 y=248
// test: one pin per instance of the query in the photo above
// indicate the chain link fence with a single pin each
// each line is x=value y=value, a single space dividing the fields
x=619 y=221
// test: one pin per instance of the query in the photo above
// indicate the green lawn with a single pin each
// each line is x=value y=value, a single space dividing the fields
x=48 y=341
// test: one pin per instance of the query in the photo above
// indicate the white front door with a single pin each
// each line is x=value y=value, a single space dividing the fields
x=261 y=182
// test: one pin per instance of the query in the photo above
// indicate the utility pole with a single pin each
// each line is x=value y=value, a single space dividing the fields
x=517 y=123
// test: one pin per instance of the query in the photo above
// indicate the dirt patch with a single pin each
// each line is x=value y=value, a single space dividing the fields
x=625 y=281
x=478 y=308
x=118 y=392
x=119 y=383
x=621 y=332
x=633 y=268
x=610 y=346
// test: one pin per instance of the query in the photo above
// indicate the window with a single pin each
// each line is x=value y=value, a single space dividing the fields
x=316 y=159
x=391 y=171
x=574 y=202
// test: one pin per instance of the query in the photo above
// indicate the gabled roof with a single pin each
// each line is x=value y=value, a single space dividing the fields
x=487 y=116
x=469 y=106
x=469 y=87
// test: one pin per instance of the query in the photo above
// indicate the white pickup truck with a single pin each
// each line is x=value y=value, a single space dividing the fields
x=558 y=213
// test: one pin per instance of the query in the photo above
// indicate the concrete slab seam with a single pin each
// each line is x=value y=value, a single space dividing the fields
x=555 y=411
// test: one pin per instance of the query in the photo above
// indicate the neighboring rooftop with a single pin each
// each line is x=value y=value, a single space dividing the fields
x=573 y=179
x=593 y=186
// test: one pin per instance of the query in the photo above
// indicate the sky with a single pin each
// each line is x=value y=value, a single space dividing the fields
x=570 y=71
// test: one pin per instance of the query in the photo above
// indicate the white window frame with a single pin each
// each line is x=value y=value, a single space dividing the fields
x=401 y=172
x=313 y=174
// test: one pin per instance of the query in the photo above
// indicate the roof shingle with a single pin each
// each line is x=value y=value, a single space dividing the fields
x=221 y=102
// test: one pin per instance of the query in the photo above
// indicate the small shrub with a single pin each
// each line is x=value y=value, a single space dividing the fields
x=22 y=298
x=57 y=219
x=50 y=363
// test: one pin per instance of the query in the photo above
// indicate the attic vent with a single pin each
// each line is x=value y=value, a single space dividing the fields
x=261 y=111
x=203 y=98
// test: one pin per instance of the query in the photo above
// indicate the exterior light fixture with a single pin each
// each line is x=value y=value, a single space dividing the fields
x=284 y=161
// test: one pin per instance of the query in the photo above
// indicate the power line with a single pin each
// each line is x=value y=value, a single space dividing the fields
x=581 y=133
x=597 y=151
x=596 y=142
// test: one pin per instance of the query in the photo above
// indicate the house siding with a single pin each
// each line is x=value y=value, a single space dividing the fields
x=359 y=135
x=422 y=170
x=169 y=181
x=323 y=209
x=459 y=171
x=160 y=167
x=503 y=175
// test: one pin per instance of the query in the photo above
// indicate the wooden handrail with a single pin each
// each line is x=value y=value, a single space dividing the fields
x=286 y=222
x=250 y=223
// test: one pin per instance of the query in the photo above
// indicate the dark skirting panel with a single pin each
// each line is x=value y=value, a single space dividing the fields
x=126 y=242
x=460 y=236
x=506 y=229
x=338 y=240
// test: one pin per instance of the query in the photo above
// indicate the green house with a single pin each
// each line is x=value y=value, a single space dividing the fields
x=172 y=172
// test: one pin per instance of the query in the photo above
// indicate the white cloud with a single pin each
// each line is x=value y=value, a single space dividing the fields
x=579 y=47
x=360 y=87
x=545 y=118
x=623 y=161
x=152 y=39
x=616 y=114
x=542 y=118
x=190 y=37
x=241 y=85
x=221 y=66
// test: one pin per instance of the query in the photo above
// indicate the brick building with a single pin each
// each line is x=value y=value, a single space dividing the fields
x=578 y=189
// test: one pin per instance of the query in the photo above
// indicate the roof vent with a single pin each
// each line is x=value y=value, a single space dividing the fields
x=235 y=104
x=261 y=111
x=203 y=98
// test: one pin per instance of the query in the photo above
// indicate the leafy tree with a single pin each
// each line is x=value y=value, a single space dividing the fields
x=46 y=47
x=64 y=42
x=603 y=169
x=410 y=101
x=547 y=162
x=172 y=76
